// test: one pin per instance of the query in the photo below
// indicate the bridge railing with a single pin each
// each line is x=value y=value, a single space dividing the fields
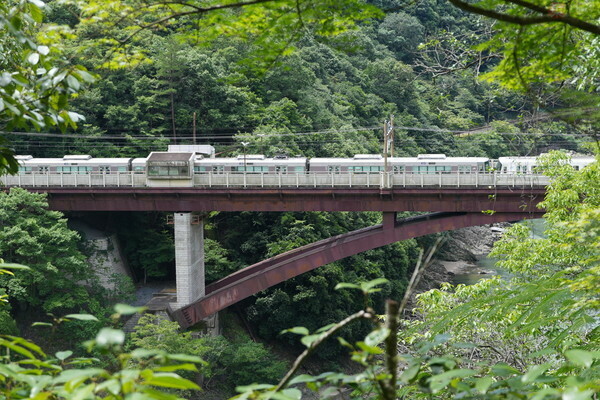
x=263 y=180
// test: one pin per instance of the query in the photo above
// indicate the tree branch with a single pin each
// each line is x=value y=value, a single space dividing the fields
x=316 y=343
x=548 y=17
x=196 y=10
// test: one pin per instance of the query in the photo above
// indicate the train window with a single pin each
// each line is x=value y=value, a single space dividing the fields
x=367 y=168
x=43 y=170
x=576 y=167
x=167 y=171
x=398 y=169
x=431 y=169
x=158 y=171
x=198 y=169
x=74 y=170
x=250 y=168
x=463 y=169
x=299 y=169
x=219 y=169
x=334 y=169
x=122 y=169
x=281 y=169
x=24 y=170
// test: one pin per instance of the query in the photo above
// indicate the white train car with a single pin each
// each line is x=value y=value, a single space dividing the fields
x=440 y=164
x=527 y=165
x=73 y=164
x=360 y=163
x=250 y=163
x=422 y=164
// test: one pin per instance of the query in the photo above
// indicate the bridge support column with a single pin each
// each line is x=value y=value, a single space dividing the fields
x=189 y=258
x=389 y=220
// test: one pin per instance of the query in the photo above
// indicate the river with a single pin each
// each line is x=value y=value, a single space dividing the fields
x=485 y=267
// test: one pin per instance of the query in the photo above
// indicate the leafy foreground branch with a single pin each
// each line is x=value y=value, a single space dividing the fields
x=27 y=372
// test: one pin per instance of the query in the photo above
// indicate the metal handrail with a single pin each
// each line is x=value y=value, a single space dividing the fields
x=382 y=180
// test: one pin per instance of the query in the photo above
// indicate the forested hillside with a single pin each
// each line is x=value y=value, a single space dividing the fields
x=317 y=79
x=329 y=97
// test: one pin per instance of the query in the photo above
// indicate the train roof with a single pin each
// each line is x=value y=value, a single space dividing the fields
x=239 y=160
x=418 y=160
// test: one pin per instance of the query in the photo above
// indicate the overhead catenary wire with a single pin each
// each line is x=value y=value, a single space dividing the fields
x=232 y=134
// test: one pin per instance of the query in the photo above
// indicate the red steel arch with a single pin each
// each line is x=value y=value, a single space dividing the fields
x=270 y=272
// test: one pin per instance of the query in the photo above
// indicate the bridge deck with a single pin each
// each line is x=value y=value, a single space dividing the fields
x=462 y=199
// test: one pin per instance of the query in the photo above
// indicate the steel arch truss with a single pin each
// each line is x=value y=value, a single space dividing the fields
x=270 y=272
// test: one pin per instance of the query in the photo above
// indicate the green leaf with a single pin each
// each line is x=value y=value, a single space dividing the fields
x=483 y=384
x=78 y=374
x=63 y=355
x=377 y=336
x=325 y=328
x=369 y=349
x=18 y=349
x=156 y=394
x=124 y=309
x=178 y=367
x=502 y=369
x=298 y=330
x=534 y=372
x=110 y=385
x=186 y=358
x=438 y=382
x=410 y=373
x=172 y=381
x=82 y=317
x=309 y=339
x=367 y=287
x=108 y=337
x=73 y=82
x=346 y=285
x=33 y=58
x=287 y=394
x=42 y=324
x=573 y=393
x=14 y=266
x=546 y=393
x=303 y=379
x=145 y=353
x=581 y=358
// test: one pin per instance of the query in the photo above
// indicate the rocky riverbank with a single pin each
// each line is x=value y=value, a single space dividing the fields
x=459 y=254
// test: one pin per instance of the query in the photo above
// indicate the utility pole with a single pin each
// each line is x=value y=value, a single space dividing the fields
x=194 y=130
x=388 y=141
x=385 y=146
x=244 y=144
x=391 y=135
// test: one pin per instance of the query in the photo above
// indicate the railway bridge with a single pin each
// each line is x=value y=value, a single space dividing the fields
x=449 y=201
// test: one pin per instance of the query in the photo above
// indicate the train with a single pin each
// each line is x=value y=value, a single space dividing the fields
x=183 y=165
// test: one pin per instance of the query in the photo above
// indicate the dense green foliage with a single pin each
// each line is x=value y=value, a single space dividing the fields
x=235 y=360
x=36 y=81
x=32 y=235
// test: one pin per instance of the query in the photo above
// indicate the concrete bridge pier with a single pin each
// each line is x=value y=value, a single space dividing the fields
x=189 y=257
x=189 y=263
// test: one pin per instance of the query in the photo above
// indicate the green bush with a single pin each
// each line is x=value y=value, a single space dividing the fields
x=8 y=326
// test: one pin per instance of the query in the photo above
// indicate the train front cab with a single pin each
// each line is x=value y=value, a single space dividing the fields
x=168 y=169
